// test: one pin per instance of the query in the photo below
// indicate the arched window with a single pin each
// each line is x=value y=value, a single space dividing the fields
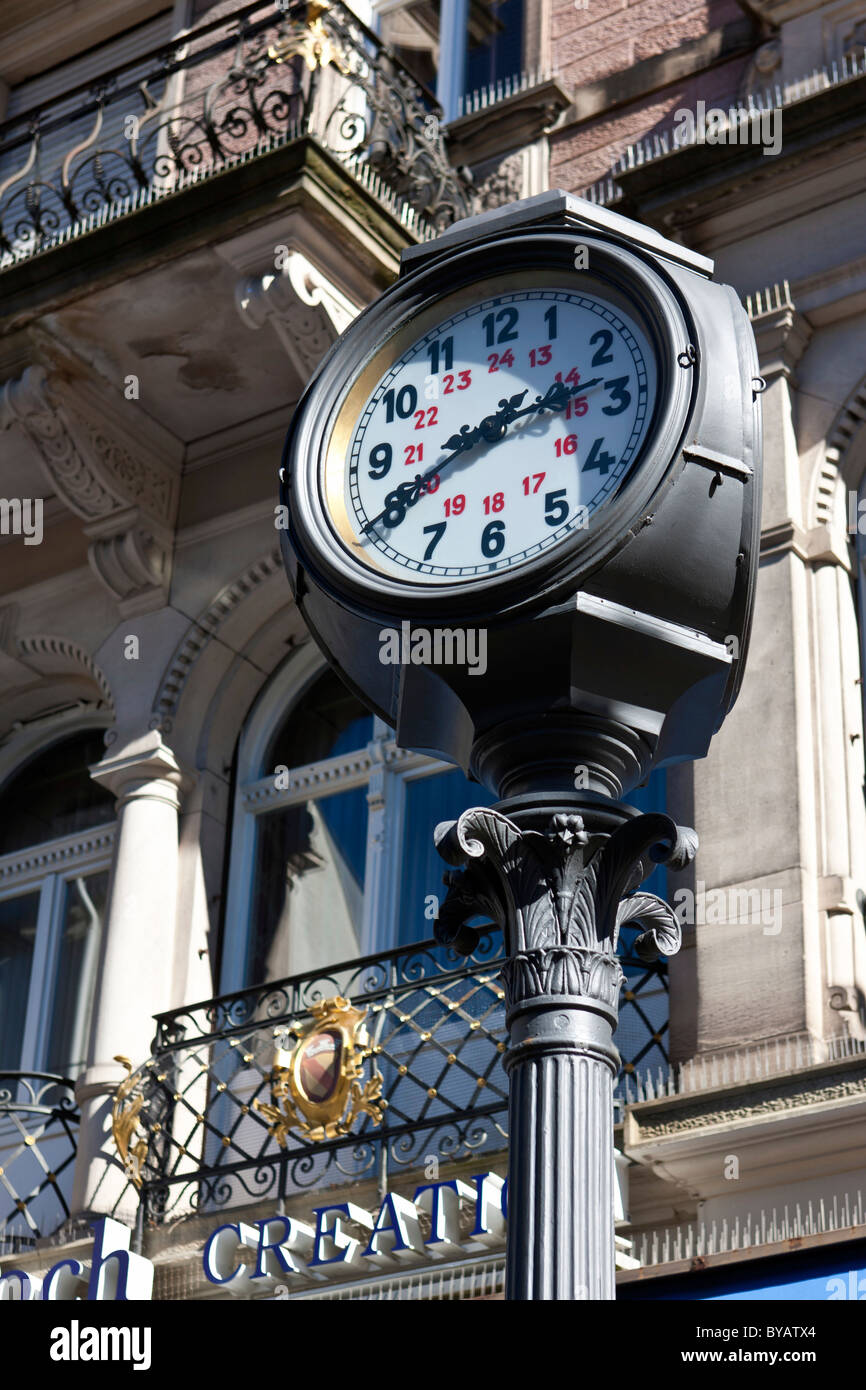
x=332 y=852
x=56 y=835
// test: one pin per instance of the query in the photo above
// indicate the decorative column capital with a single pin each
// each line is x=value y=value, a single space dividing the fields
x=560 y=895
x=145 y=768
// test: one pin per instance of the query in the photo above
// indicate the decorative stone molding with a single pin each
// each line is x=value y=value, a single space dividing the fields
x=494 y=121
x=782 y=333
x=131 y=560
x=200 y=633
x=501 y=181
x=49 y=655
x=679 y=1115
x=844 y=443
x=57 y=855
x=307 y=311
x=38 y=671
x=820 y=546
x=119 y=488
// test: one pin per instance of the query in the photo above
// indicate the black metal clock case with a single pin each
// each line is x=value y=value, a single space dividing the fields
x=623 y=648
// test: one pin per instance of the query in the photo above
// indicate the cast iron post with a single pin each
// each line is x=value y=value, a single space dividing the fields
x=560 y=884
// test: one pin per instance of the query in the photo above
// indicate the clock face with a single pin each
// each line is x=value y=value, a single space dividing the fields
x=496 y=435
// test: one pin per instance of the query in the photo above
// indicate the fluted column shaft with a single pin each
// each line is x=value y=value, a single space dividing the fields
x=560 y=1164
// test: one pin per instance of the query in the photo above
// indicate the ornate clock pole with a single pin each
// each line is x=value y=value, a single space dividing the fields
x=556 y=882
x=577 y=403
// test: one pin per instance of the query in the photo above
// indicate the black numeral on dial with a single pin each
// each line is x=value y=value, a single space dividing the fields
x=403 y=401
x=603 y=356
x=556 y=507
x=437 y=531
x=441 y=351
x=621 y=397
x=493 y=539
x=599 y=458
x=507 y=332
x=380 y=460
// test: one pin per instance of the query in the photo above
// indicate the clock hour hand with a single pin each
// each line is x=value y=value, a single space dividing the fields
x=491 y=429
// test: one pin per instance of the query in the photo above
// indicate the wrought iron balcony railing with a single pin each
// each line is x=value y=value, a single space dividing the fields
x=366 y=1070
x=224 y=92
x=38 y=1142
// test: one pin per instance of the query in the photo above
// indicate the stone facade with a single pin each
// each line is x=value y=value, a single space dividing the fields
x=149 y=364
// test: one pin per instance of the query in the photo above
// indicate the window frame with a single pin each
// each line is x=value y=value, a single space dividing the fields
x=48 y=868
x=453 y=30
x=380 y=766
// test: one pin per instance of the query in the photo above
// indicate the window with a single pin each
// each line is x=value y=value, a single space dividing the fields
x=332 y=853
x=56 y=837
x=454 y=46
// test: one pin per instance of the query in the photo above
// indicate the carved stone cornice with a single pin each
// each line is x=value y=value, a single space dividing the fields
x=116 y=485
x=306 y=310
x=675 y=1116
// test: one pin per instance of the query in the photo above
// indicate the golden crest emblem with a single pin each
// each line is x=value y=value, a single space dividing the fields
x=317 y=1086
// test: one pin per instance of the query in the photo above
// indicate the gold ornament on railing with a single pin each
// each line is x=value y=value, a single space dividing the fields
x=125 y=1113
x=316 y=1087
x=308 y=38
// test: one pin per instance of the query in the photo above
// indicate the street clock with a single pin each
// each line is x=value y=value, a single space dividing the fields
x=545 y=432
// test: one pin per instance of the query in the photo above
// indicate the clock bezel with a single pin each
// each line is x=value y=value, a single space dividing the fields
x=326 y=417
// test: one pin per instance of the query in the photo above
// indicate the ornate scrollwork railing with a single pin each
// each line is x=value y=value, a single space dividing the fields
x=38 y=1143
x=239 y=86
x=376 y=1065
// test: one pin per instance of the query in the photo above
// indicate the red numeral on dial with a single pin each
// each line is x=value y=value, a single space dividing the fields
x=539 y=357
x=496 y=503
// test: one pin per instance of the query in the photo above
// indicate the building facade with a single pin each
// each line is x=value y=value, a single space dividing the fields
x=215 y=866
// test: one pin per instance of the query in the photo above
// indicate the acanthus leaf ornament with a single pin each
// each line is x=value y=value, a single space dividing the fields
x=317 y=1088
x=560 y=895
x=129 y=1138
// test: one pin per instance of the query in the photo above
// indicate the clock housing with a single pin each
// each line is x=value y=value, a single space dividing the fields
x=625 y=634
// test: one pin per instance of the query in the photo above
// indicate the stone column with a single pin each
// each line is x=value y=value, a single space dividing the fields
x=135 y=971
x=556 y=883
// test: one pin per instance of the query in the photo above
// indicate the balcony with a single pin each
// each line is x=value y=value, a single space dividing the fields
x=38 y=1142
x=212 y=1120
x=222 y=95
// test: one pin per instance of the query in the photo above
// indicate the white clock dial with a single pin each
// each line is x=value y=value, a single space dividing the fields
x=497 y=434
